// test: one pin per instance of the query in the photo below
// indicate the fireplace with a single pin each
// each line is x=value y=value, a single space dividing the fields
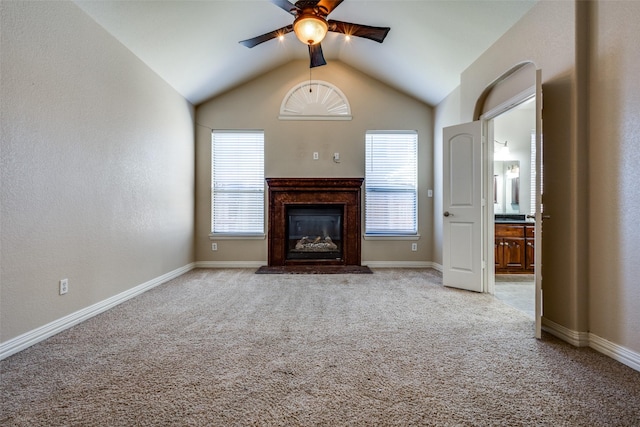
x=314 y=232
x=314 y=222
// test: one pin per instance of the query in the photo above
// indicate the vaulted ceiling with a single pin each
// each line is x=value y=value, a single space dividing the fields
x=193 y=45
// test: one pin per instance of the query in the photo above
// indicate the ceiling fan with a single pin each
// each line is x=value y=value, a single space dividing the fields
x=311 y=25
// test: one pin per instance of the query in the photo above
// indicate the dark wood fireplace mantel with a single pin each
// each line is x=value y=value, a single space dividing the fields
x=300 y=192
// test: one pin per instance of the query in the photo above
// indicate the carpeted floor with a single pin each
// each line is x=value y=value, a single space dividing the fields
x=233 y=348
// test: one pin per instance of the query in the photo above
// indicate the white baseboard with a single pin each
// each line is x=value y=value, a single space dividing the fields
x=230 y=264
x=601 y=345
x=400 y=264
x=30 y=338
x=436 y=266
x=371 y=264
x=615 y=351
x=578 y=339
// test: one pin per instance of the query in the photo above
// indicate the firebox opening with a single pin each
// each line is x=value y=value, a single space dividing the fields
x=314 y=232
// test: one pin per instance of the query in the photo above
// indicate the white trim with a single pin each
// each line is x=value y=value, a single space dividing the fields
x=328 y=95
x=34 y=336
x=615 y=351
x=575 y=338
x=230 y=264
x=237 y=236
x=400 y=264
x=311 y=118
x=372 y=264
x=391 y=237
x=587 y=339
x=488 y=225
x=510 y=103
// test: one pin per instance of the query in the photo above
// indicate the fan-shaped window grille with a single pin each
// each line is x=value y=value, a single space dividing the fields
x=315 y=100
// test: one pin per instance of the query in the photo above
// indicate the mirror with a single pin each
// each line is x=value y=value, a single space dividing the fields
x=506 y=186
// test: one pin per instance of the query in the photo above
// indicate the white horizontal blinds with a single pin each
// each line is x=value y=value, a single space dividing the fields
x=391 y=184
x=532 y=208
x=237 y=182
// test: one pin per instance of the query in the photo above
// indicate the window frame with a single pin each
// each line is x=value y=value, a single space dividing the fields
x=397 y=234
x=259 y=189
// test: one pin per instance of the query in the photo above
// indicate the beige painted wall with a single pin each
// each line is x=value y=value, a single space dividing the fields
x=97 y=167
x=590 y=267
x=614 y=173
x=447 y=113
x=289 y=146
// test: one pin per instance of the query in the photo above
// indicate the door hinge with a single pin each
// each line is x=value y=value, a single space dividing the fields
x=484 y=264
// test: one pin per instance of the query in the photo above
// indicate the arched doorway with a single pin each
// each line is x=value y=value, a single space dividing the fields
x=460 y=231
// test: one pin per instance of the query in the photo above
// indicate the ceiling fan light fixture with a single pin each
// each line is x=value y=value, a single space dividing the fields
x=310 y=29
x=311 y=26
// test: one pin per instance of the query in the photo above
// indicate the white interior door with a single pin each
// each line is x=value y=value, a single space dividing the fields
x=462 y=207
x=539 y=207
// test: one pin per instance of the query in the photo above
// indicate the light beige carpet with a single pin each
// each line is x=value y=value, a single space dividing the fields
x=234 y=348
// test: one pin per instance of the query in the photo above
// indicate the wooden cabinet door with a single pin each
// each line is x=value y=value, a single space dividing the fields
x=499 y=259
x=514 y=248
x=509 y=255
x=514 y=253
x=530 y=248
x=529 y=255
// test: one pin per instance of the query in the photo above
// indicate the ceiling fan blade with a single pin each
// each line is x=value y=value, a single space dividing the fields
x=285 y=5
x=266 y=37
x=372 y=33
x=315 y=56
x=329 y=5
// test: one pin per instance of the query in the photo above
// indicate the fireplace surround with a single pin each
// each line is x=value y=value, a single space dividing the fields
x=314 y=222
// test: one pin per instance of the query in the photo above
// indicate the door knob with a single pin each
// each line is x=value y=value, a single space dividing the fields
x=446 y=213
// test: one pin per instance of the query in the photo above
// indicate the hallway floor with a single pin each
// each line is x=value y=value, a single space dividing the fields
x=517 y=290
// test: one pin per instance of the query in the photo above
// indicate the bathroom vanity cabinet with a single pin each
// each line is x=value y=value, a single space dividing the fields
x=514 y=248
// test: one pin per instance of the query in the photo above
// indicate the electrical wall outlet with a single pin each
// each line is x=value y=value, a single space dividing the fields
x=414 y=247
x=429 y=193
x=64 y=286
x=336 y=156
x=214 y=246
x=316 y=156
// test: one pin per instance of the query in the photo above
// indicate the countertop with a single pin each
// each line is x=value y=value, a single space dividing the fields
x=513 y=219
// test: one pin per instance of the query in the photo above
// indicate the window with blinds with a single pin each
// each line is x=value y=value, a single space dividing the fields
x=391 y=183
x=237 y=182
x=532 y=209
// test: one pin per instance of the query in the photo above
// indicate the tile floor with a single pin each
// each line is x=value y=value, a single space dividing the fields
x=518 y=291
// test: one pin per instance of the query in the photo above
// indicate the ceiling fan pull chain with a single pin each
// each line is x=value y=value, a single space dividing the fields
x=310 y=90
